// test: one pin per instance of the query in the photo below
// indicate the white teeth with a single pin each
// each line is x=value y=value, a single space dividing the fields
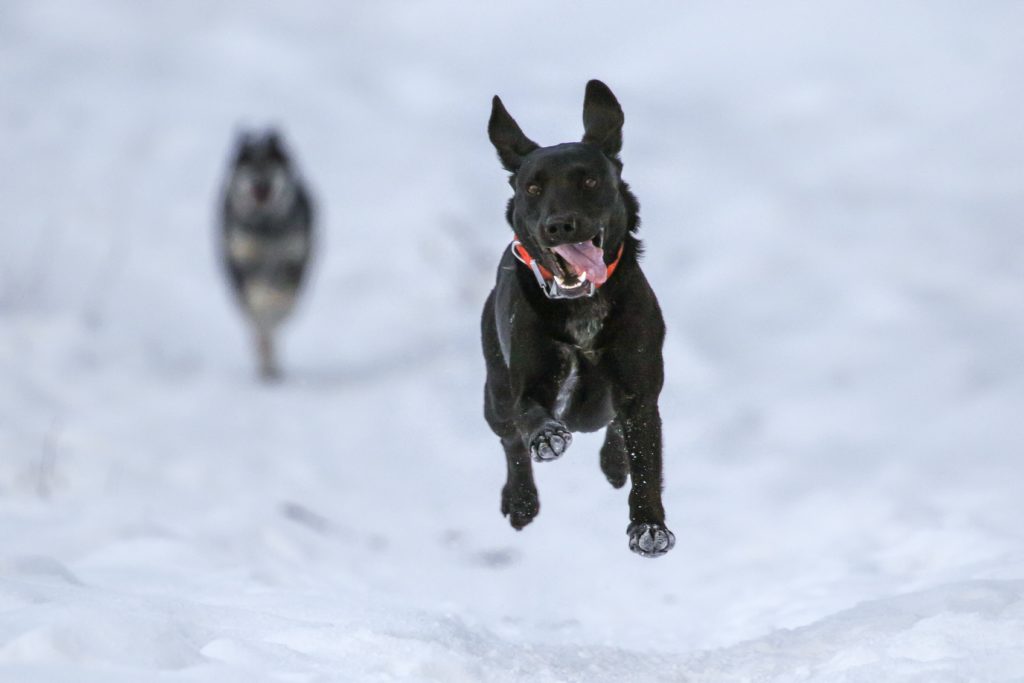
x=579 y=282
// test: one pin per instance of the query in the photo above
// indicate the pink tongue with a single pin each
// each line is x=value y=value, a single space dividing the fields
x=584 y=256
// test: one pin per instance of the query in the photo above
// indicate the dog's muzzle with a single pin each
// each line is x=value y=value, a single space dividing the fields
x=556 y=287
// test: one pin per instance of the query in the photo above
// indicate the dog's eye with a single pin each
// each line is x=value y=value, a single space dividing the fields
x=534 y=189
x=590 y=183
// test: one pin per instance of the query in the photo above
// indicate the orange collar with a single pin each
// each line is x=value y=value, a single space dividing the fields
x=533 y=264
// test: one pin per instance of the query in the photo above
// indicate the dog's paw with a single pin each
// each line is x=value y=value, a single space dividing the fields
x=520 y=505
x=550 y=441
x=650 y=540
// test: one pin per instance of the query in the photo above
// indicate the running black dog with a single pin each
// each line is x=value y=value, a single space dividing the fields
x=572 y=332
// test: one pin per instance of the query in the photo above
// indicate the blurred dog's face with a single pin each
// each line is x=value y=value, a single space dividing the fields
x=261 y=179
x=568 y=209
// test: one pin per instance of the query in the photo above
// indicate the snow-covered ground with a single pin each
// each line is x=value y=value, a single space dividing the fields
x=832 y=202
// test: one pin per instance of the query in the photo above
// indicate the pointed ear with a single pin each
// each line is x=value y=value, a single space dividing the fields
x=243 y=137
x=507 y=137
x=242 y=134
x=243 y=145
x=602 y=119
x=275 y=146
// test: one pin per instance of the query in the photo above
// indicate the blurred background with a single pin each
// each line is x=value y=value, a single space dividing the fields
x=832 y=208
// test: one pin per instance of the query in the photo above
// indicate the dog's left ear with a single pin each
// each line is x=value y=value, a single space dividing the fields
x=602 y=119
x=275 y=146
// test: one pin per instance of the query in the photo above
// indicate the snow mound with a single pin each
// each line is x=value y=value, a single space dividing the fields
x=957 y=632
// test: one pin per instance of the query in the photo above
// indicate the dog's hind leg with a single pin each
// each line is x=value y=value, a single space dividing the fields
x=614 y=459
x=269 y=370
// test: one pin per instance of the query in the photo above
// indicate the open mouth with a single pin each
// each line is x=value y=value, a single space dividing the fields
x=576 y=264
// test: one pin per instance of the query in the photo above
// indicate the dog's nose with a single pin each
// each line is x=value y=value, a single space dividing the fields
x=560 y=227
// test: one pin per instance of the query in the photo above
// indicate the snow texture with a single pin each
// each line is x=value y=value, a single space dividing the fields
x=832 y=205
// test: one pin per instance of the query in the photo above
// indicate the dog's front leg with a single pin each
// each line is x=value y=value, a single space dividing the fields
x=638 y=374
x=641 y=427
x=546 y=437
x=537 y=371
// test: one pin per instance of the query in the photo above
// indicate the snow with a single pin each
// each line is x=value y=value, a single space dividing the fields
x=832 y=208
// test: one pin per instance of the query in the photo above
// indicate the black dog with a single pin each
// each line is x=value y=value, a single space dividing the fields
x=572 y=332
x=266 y=237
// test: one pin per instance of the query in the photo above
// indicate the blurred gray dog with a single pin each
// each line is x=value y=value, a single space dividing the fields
x=266 y=237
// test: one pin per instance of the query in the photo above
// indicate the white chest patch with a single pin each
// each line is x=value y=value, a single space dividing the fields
x=247 y=249
x=243 y=248
x=569 y=380
x=584 y=328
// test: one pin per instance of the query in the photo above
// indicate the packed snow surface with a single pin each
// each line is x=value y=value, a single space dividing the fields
x=833 y=215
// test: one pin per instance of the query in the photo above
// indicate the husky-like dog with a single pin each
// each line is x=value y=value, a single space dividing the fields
x=572 y=332
x=267 y=225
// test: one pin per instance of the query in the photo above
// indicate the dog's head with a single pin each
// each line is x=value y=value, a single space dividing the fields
x=571 y=208
x=262 y=179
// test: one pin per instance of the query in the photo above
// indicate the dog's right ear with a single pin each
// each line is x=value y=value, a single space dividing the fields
x=507 y=137
x=243 y=145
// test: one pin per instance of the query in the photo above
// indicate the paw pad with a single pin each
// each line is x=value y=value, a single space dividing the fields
x=650 y=540
x=550 y=442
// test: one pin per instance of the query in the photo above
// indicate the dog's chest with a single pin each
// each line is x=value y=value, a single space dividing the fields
x=584 y=324
x=246 y=248
x=582 y=329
